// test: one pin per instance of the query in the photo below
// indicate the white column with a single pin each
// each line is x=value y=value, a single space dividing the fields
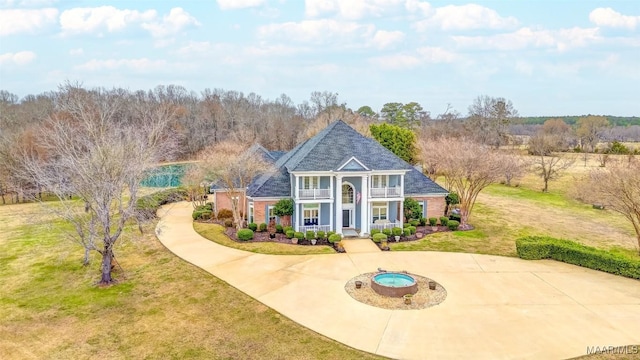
x=364 y=206
x=296 y=187
x=297 y=211
x=402 y=186
x=338 y=203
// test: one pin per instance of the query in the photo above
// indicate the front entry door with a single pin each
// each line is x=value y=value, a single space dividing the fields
x=346 y=217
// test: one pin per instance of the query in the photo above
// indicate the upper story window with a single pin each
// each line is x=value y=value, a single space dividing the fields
x=379 y=181
x=347 y=194
x=311 y=182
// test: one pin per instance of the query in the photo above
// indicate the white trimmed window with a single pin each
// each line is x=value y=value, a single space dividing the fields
x=379 y=181
x=423 y=208
x=271 y=213
x=251 y=212
x=347 y=194
x=310 y=214
x=311 y=182
x=379 y=211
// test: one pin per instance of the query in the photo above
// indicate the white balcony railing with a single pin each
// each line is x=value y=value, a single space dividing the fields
x=386 y=192
x=385 y=224
x=306 y=194
x=315 y=228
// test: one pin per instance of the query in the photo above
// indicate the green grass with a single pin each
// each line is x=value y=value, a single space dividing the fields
x=162 y=308
x=216 y=234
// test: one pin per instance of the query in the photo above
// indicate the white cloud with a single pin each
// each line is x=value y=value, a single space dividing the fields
x=171 y=24
x=351 y=9
x=395 y=62
x=562 y=39
x=318 y=31
x=384 y=39
x=239 y=4
x=611 y=18
x=98 y=19
x=14 y=21
x=436 y=55
x=76 y=52
x=464 y=17
x=19 y=58
x=137 y=65
x=420 y=7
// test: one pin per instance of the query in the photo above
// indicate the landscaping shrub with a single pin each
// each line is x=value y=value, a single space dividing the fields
x=298 y=235
x=423 y=221
x=433 y=221
x=334 y=238
x=320 y=234
x=444 y=220
x=453 y=225
x=262 y=227
x=541 y=247
x=253 y=226
x=310 y=235
x=396 y=231
x=201 y=214
x=287 y=228
x=228 y=223
x=225 y=214
x=279 y=229
x=414 y=222
x=406 y=225
x=290 y=234
x=412 y=229
x=379 y=238
x=455 y=217
x=406 y=232
x=245 y=234
x=148 y=205
x=329 y=233
x=375 y=231
x=386 y=231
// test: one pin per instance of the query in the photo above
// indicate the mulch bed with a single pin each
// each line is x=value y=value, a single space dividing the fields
x=423 y=299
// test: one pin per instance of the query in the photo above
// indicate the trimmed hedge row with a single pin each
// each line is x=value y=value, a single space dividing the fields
x=542 y=247
x=148 y=205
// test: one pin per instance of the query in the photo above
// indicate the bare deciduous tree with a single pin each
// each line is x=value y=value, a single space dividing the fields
x=468 y=168
x=489 y=120
x=513 y=167
x=232 y=167
x=95 y=154
x=546 y=163
x=618 y=189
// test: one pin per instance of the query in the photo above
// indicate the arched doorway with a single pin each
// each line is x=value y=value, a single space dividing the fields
x=348 y=205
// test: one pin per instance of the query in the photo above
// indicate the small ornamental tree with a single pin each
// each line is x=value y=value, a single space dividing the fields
x=412 y=210
x=284 y=209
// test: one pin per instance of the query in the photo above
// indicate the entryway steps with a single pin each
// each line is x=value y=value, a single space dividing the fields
x=359 y=246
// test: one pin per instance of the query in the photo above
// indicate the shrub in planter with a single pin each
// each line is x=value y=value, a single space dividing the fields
x=310 y=235
x=375 y=231
x=262 y=227
x=253 y=226
x=279 y=229
x=377 y=238
x=540 y=247
x=453 y=225
x=444 y=220
x=228 y=223
x=245 y=234
x=396 y=231
x=414 y=222
x=433 y=221
x=225 y=214
x=320 y=234
x=423 y=221
x=298 y=235
x=334 y=238
x=412 y=229
x=406 y=232
x=290 y=234
x=386 y=231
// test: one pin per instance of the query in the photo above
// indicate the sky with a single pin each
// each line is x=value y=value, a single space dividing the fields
x=570 y=57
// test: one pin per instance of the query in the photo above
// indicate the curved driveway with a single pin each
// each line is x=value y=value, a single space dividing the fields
x=496 y=308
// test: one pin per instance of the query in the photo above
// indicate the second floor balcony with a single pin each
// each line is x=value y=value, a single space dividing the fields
x=386 y=192
x=312 y=194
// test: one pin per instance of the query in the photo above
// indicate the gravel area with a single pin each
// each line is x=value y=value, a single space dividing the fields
x=423 y=299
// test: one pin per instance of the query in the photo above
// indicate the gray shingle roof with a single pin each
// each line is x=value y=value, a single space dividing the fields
x=328 y=151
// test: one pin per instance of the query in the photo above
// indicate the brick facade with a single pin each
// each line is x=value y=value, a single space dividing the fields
x=435 y=205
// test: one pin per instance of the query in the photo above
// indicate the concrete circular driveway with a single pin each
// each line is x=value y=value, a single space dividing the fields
x=496 y=308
